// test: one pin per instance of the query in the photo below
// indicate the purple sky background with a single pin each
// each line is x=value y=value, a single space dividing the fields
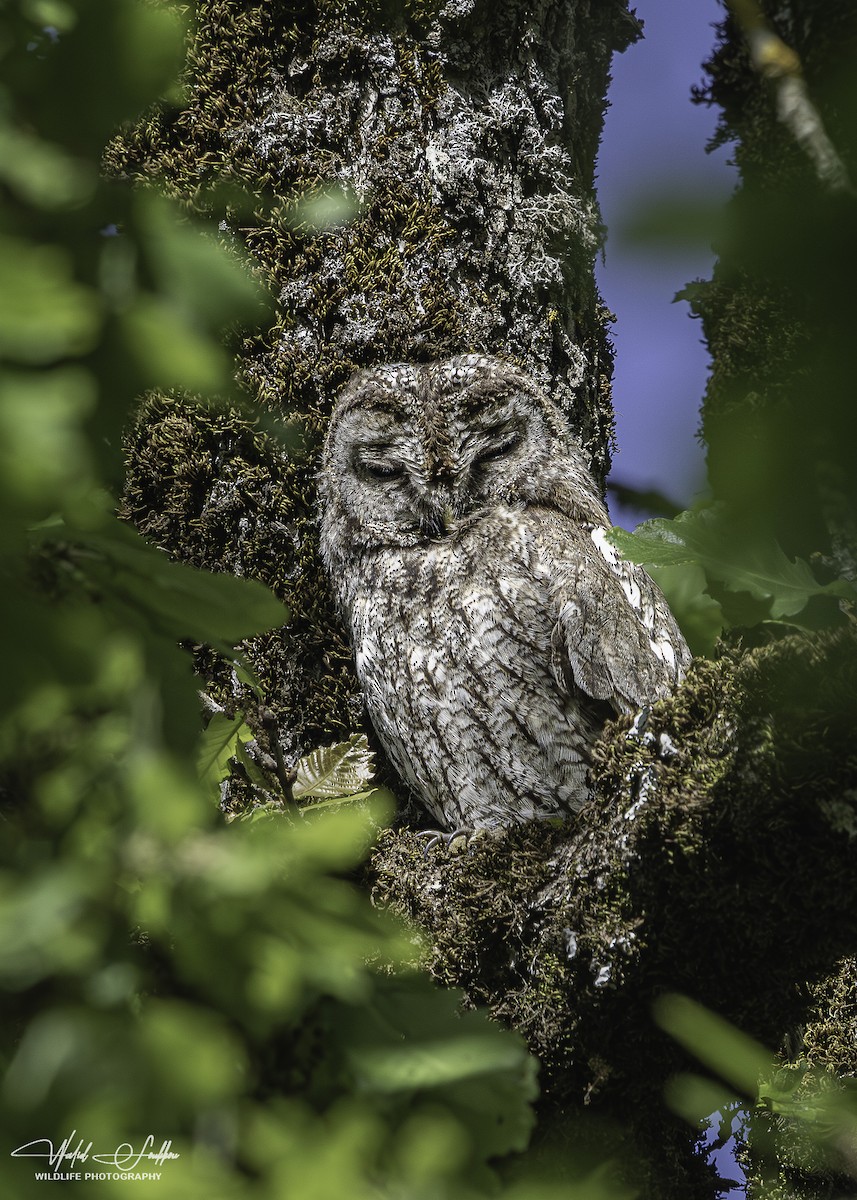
x=654 y=145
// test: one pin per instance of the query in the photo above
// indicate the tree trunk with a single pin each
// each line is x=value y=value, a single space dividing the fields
x=461 y=139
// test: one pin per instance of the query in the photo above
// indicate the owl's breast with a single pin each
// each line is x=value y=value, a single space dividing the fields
x=454 y=602
x=452 y=644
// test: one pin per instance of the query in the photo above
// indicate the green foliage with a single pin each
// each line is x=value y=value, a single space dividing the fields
x=699 y=614
x=114 y=563
x=707 y=550
x=724 y=1050
x=219 y=743
x=327 y=776
x=777 y=541
x=801 y=1115
x=332 y=771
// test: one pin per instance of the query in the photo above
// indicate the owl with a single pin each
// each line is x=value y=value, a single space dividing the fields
x=494 y=627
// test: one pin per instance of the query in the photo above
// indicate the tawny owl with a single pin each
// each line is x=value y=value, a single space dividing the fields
x=494 y=627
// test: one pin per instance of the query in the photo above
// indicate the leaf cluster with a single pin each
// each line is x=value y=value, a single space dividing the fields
x=776 y=540
x=719 y=572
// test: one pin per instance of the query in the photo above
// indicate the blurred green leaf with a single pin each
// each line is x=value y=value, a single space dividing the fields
x=413 y=1037
x=337 y=840
x=726 y=1051
x=740 y=558
x=174 y=599
x=695 y=1098
x=42 y=926
x=59 y=14
x=327 y=209
x=44 y=453
x=126 y=53
x=43 y=173
x=207 y=282
x=170 y=349
x=211 y=1054
x=45 y=314
x=698 y=614
x=672 y=220
x=417 y=1065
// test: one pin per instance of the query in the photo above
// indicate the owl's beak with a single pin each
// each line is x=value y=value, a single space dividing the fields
x=439 y=517
x=439 y=523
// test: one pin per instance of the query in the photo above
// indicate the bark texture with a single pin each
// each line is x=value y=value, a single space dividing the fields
x=695 y=869
x=459 y=139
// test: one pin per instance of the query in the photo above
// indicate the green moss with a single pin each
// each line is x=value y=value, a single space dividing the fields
x=210 y=481
x=817 y=1056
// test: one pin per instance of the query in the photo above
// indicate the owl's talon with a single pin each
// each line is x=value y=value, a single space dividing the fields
x=432 y=837
x=435 y=836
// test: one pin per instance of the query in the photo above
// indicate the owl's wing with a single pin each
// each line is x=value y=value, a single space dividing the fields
x=615 y=638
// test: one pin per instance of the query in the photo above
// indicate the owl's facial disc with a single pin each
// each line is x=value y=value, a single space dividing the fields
x=392 y=477
x=418 y=453
x=499 y=441
x=419 y=476
x=420 y=490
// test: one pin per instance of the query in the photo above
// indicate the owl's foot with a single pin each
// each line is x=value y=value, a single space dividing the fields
x=435 y=836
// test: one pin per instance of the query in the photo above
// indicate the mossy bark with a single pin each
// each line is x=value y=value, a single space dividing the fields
x=462 y=138
x=697 y=868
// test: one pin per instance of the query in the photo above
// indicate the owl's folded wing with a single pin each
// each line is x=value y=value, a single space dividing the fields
x=614 y=636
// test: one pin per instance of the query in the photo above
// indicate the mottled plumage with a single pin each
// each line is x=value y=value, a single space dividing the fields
x=494 y=628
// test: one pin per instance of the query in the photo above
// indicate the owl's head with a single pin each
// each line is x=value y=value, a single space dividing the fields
x=416 y=452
